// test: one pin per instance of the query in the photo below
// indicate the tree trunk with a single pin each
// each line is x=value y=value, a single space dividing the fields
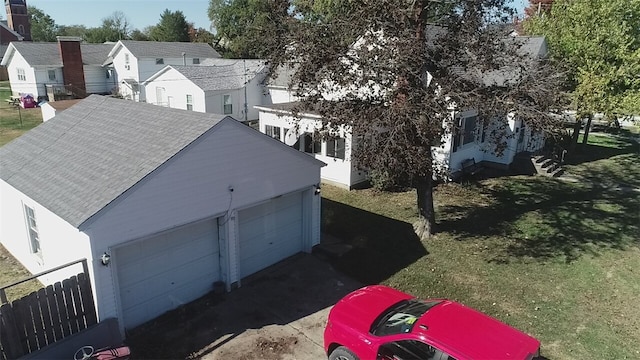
x=586 y=129
x=574 y=136
x=425 y=225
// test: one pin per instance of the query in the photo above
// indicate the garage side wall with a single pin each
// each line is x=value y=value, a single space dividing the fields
x=60 y=242
x=195 y=184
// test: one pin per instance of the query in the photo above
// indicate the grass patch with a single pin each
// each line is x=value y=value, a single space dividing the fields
x=16 y=121
x=13 y=271
x=556 y=259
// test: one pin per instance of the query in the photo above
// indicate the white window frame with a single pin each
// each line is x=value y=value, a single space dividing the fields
x=32 y=230
x=52 y=75
x=189 y=102
x=22 y=76
x=273 y=131
x=464 y=135
x=227 y=101
x=334 y=150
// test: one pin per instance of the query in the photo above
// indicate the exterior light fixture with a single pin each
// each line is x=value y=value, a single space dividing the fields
x=105 y=259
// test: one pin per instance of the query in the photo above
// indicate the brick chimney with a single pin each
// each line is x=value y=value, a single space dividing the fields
x=72 y=68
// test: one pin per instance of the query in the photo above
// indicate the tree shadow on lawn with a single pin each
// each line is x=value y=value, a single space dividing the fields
x=381 y=246
x=544 y=219
x=605 y=147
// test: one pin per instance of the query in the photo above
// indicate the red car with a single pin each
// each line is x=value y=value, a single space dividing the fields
x=381 y=323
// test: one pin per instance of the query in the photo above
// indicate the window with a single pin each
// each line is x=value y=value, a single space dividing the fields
x=52 y=75
x=21 y=75
x=335 y=148
x=196 y=61
x=412 y=349
x=189 y=102
x=32 y=227
x=401 y=317
x=466 y=133
x=126 y=59
x=21 y=29
x=272 y=131
x=311 y=146
x=227 y=105
x=159 y=61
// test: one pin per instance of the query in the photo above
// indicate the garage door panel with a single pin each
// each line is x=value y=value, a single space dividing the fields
x=270 y=232
x=160 y=273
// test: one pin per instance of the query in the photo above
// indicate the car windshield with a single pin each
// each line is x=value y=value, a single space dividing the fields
x=401 y=317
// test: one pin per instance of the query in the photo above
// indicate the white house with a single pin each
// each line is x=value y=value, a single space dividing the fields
x=277 y=121
x=470 y=141
x=135 y=61
x=162 y=202
x=221 y=86
x=31 y=66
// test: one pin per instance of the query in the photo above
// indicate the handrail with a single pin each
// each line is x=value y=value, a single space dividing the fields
x=3 y=295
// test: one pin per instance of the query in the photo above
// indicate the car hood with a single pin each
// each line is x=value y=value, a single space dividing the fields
x=360 y=308
x=474 y=334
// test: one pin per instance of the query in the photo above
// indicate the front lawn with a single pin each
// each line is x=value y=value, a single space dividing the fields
x=557 y=259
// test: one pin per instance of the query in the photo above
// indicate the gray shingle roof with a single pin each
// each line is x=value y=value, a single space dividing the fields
x=88 y=155
x=141 y=49
x=49 y=53
x=221 y=74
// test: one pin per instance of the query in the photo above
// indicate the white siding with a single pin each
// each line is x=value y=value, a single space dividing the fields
x=124 y=71
x=195 y=185
x=48 y=111
x=42 y=79
x=340 y=172
x=214 y=101
x=95 y=79
x=27 y=86
x=176 y=87
x=60 y=242
x=280 y=95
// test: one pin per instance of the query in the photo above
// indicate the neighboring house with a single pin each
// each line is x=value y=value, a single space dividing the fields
x=135 y=61
x=53 y=108
x=278 y=87
x=7 y=34
x=469 y=141
x=172 y=200
x=221 y=86
x=42 y=69
x=277 y=121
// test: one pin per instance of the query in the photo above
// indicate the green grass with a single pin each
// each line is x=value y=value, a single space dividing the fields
x=559 y=260
x=13 y=271
x=15 y=121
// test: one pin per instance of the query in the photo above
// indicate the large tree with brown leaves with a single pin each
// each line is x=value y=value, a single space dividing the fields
x=393 y=71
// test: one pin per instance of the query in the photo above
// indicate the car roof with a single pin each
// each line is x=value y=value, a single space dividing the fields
x=463 y=330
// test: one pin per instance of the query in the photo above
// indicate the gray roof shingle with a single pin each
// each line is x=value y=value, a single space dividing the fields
x=49 y=54
x=80 y=161
x=221 y=74
x=142 y=49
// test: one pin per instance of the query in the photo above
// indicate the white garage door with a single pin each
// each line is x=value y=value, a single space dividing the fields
x=270 y=232
x=161 y=273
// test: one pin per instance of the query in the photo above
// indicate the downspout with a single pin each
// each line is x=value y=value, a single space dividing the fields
x=246 y=115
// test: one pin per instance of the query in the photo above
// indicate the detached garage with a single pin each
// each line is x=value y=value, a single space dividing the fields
x=162 y=202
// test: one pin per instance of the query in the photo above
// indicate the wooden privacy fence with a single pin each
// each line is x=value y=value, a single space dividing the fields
x=47 y=315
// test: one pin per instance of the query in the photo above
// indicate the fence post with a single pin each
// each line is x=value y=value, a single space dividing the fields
x=3 y=297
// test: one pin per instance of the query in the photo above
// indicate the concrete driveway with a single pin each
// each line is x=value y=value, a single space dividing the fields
x=278 y=313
